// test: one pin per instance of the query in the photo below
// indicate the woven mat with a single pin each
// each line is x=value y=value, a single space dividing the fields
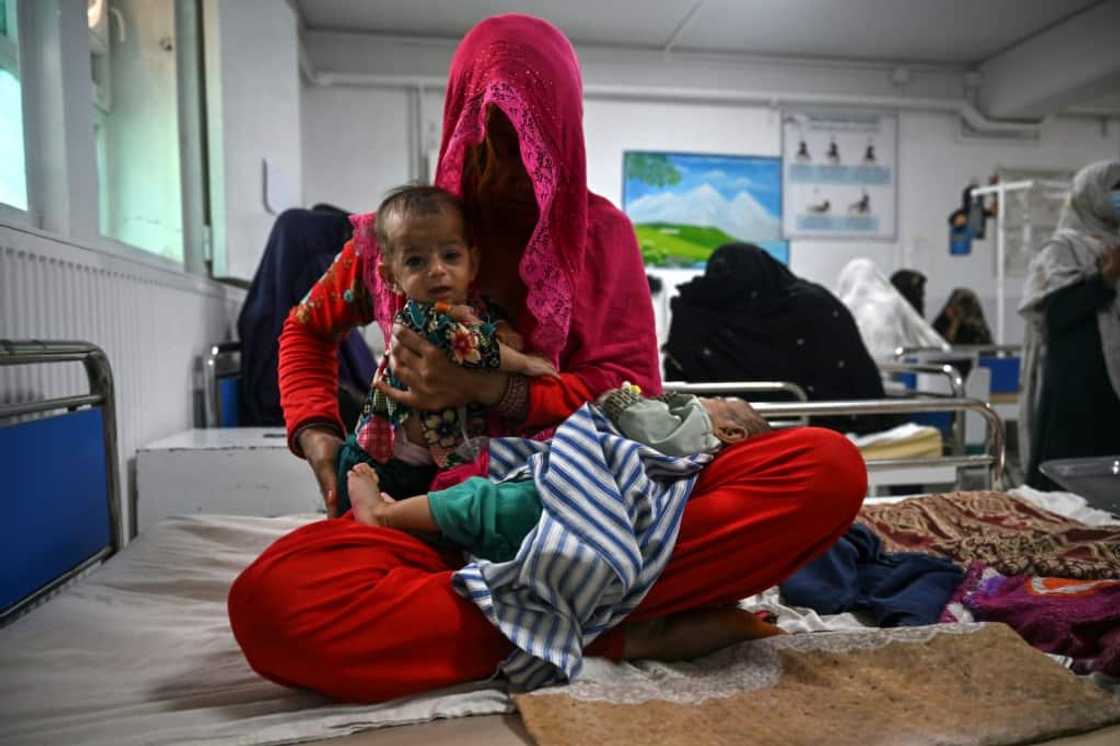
x=1002 y=531
x=945 y=684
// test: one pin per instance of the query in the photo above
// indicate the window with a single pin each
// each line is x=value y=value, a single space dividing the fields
x=13 y=167
x=136 y=126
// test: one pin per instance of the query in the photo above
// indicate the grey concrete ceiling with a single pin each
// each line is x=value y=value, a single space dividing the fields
x=948 y=32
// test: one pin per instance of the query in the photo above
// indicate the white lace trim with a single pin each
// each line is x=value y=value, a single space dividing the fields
x=740 y=668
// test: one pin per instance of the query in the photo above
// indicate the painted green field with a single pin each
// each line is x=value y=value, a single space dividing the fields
x=672 y=244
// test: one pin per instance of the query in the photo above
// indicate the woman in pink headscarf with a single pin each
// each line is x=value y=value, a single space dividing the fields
x=367 y=613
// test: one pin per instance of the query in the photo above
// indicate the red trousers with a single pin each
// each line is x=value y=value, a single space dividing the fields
x=368 y=614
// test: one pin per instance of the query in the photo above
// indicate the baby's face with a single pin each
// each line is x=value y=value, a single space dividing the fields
x=430 y=258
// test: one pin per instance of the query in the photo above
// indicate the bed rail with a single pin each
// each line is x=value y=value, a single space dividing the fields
x=100 y=375
x=738 y=387
x=744 y=388
x=992 y=349
x=222 y=360
x=995 y=450
x=956 y=391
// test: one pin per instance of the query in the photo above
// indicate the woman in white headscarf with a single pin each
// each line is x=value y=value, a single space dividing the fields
x=885 y=318
x=1070 y=403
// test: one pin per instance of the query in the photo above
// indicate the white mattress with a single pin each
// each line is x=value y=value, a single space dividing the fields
x=140 y=651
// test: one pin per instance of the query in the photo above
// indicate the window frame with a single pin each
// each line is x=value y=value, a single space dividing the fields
x=9 y=61
x=78 y=147
x=9 y=50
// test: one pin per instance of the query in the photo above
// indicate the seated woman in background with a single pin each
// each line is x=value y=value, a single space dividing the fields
x=912 y=285
x=1070 y=401
x=886 y=320
x=748 y=318
x=961 y=321
x=301 y=246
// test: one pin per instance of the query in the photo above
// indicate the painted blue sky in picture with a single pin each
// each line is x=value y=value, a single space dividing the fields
x=741 y=196
x=727 y=174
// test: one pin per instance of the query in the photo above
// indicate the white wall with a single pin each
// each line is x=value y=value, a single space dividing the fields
x=935 y=161
x=935 y=164
x=253 y=108
x=151 y=323
x=355 y=145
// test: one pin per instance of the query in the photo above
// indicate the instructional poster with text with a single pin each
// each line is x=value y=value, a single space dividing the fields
x=840 y=174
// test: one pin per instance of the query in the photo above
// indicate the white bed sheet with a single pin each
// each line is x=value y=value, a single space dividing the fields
x=140 y=651
x=1066 y=504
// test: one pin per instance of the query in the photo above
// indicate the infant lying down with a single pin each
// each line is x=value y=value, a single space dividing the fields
x=490 y=519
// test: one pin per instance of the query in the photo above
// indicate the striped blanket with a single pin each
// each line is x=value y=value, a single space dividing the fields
x=611 y=512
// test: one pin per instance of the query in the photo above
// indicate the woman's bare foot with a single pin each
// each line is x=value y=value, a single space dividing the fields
x=366 y=496
x=691 y=634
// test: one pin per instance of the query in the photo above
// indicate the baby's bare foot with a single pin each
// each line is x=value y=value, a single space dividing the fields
x=365 y=495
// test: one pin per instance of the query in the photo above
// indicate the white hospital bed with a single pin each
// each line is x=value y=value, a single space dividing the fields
x=138 y=648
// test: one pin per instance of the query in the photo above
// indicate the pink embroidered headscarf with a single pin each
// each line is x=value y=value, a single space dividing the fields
x=582 y=269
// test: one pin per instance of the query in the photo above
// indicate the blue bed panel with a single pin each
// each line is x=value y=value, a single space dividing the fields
x=55 y=510
x=229 y=398
x=1005 y=373
x=943 y=421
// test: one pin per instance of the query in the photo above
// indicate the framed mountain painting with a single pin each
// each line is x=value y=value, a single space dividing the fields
x=686 y=205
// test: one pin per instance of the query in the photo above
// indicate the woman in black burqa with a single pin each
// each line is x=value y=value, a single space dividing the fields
x=748 y=318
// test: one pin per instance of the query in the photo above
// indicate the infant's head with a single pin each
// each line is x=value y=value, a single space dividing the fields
x=425 y=253
x=733 y=419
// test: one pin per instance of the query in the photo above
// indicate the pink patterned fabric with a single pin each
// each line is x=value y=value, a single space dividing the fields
x=1076 y=618
x=586 y=284
x=386 y=302
x=480 y=467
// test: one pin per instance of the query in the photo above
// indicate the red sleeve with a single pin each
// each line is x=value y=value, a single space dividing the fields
x=309 y=344
x=552 y=400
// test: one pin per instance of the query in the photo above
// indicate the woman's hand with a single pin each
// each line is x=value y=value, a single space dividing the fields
x=510 y=338
x=433 y=381
x=320 y=448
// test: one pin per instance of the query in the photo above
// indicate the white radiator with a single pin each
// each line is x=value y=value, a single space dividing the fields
x=150 y=322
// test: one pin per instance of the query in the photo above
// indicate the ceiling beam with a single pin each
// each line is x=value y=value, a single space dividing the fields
x=1070 y=63
x=672 y=40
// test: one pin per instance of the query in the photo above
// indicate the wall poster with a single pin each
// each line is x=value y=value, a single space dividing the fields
x=840 y=174
x=686 y=205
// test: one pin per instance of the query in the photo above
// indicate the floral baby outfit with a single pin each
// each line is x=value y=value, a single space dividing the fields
x=472 y=345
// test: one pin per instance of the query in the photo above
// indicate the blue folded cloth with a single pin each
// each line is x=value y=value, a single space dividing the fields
x=898 y=590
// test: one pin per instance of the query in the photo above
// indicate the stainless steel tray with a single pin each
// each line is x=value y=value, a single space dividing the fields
x=1096 y=479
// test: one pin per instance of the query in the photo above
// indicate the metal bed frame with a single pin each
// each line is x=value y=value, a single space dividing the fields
x=996 y=349
x=993 y=459
x=100 y=375
x=738 y=387
x=221 y=360
x=745 y=388
x=1009 y=410
x=956 y=389
x=798 y=412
